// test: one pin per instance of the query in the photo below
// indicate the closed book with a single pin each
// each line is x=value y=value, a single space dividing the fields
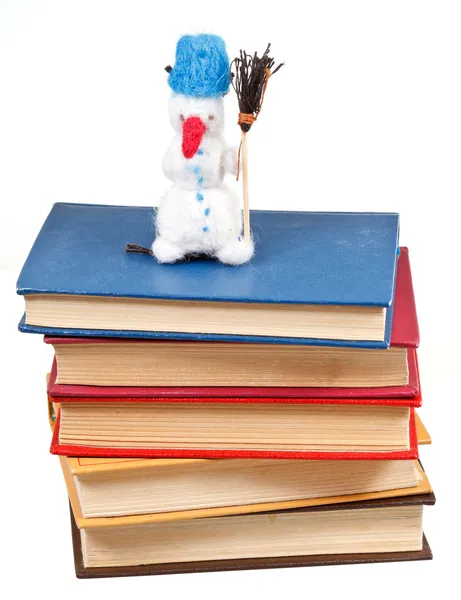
x=106 y=492
x=399 y=394
x=396 y=395
x=380 y=530
x=316 y=279
x=317 y=431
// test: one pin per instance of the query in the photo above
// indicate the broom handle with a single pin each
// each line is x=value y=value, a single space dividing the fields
x=246 y=200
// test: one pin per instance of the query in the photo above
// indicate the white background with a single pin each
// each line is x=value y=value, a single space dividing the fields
x=366 y=115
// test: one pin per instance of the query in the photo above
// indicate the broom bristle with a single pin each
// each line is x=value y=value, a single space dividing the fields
x=249 y=81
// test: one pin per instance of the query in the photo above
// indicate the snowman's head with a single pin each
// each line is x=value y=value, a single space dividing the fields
x=192 y=118
x=209 y=110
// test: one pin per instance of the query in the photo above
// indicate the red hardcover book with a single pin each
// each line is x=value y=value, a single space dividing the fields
x=405 y=333
x=126 y=452
x=397 y=396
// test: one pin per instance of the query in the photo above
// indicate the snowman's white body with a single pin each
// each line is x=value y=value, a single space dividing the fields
x=199 y=214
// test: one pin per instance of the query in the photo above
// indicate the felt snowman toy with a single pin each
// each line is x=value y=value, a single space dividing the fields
x=199 y=214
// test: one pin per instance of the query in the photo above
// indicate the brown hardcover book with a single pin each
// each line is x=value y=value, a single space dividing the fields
x=417 y=549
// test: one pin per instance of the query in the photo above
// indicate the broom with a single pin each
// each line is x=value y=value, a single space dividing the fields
x=249 y=81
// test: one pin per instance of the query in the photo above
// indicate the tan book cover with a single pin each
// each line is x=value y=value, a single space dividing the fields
x=423 y=487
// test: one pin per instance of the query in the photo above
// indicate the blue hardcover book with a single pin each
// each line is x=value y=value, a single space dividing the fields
x=316 y=278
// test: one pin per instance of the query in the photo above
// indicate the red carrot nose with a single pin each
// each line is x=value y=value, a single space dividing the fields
x=192 y=133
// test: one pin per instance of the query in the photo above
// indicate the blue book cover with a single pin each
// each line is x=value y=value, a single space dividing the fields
x=300 y=257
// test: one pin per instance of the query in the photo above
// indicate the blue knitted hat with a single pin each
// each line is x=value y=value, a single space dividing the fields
x=201 y=68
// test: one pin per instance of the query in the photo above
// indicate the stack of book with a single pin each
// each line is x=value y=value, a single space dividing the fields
x=210 y=417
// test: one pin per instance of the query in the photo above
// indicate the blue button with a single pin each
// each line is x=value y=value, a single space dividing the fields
x=207 y=211
x=199 y=196
x=205 y=229
x=200 y=152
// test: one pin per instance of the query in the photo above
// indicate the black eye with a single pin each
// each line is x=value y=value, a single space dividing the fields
x=211 y=117
x=181 y=117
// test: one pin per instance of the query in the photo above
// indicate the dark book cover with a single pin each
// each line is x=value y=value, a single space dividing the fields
x=425 y=553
